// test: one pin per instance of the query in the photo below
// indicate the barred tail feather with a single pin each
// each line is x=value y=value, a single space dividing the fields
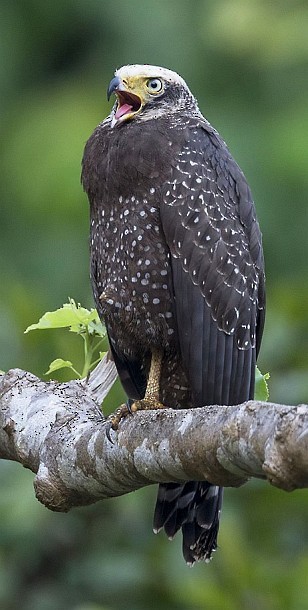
x=195 y=507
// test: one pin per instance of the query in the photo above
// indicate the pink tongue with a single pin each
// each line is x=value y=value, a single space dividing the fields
x=122 y=110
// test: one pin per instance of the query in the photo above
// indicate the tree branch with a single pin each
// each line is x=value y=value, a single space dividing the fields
x=57 y=430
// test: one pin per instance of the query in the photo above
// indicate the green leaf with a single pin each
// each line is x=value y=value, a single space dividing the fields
x=80 y=320
x=261 y=386
x=97 y=327
x=59 y=363
x=77 y=318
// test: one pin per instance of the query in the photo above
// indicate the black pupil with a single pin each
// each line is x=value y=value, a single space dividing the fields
x=154 y=84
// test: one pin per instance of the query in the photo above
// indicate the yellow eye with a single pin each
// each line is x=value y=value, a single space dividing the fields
x=154 y=85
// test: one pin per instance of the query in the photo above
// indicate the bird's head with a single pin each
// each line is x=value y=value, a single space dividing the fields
x=147 y=92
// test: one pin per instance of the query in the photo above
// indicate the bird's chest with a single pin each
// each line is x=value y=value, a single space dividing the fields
x=131 y=268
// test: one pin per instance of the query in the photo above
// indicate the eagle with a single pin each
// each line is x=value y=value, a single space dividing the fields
x=177 y=269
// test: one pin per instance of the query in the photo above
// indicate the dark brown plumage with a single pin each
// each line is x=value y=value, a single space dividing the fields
x=176 y=266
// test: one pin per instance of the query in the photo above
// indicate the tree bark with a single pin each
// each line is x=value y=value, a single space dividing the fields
x=58 y=431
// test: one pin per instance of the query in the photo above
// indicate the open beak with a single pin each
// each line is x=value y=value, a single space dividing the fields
x=127 y=103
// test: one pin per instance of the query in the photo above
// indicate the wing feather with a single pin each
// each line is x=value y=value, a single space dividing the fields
x=210 y=226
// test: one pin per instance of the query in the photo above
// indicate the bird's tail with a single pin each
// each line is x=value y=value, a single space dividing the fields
x=195 y=507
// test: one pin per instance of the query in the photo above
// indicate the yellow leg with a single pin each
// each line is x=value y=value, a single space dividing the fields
x=151 y=397
x=150 y=400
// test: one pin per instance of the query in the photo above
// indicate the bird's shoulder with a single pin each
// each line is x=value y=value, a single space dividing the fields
x=210 y=225
x=207 y=185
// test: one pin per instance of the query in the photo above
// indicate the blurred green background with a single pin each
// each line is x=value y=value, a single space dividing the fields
x=246 y=61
